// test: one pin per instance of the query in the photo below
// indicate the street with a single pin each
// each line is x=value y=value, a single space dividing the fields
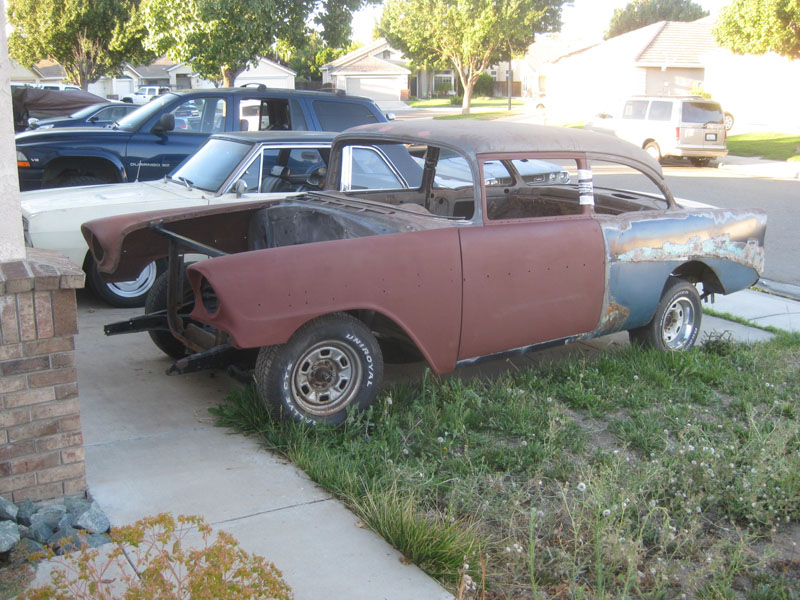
x=779 y=198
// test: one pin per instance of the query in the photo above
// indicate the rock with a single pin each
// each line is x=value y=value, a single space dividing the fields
x=26 y=508
x=76 y=506
x=9 y=535
x=97 y=539
x=50 y=514
x=93 y=520
x=24 y=549
x=40 y=531
x=8 y=510
x=65 y=540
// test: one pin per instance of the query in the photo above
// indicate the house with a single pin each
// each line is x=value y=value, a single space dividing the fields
x=666 y=58
x=43 y=73
x=181 y=76
x=376 y=71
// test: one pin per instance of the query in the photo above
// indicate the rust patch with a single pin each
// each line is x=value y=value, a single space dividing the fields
x=614 y=317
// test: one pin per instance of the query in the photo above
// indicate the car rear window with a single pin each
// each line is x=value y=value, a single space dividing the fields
x=338 y=115
x=701 y=112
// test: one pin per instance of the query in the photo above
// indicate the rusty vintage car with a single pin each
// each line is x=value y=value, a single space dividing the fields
x=447 y=241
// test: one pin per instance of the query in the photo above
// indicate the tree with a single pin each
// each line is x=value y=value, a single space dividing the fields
x=760 y=26
x=641 y=13
x=307 y=58
x=88 y=38
x=469 y=34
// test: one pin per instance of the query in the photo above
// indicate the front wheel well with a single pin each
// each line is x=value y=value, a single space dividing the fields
x=396 y=345
x=60 y=170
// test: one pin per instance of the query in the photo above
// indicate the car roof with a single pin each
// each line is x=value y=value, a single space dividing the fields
x=494 y=137
x=339 y=95
x=291 y=137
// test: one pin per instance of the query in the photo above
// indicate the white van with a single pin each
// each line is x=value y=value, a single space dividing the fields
x=685 y=126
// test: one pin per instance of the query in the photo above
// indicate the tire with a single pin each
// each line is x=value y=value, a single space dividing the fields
x=157 y=300
x=653 y=150
x=728 y=120
x=123 y=294
x=700 y=162
x=676 y=322
x=330 y=366
x=76 y=180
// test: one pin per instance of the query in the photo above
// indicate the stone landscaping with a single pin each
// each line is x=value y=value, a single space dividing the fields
x=28 y=527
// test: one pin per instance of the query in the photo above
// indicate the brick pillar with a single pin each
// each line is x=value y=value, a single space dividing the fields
x=41 y=442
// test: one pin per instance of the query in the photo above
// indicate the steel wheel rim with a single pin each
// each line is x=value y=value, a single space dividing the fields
x=326 y=378
x=678 y=324
x=135 y=287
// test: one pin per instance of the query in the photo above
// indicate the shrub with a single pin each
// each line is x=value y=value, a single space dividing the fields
x=484 y=86
x=163 y=567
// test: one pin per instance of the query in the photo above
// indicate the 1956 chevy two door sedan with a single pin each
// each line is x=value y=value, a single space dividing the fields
x=453 y=242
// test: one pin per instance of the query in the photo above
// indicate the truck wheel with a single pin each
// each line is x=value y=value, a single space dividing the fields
x=329 y=366
x=76 y=180
x=123 y=294
x=676 y=322
x=157 y=300
x=653 y=150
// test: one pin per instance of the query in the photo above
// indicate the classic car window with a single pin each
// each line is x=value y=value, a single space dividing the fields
x=619 y=188
x=531 y=188
x=283 y=169
x=371 y=171
x=453 y=187
x=212 y=164
x=452 y=171
x=200 y=115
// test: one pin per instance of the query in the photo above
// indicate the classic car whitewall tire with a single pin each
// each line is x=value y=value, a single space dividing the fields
x=676 y=322
x=123 y=294
x=330 y=366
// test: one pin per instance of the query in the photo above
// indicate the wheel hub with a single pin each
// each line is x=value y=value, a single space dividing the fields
x=326 y=378
x=678 y=324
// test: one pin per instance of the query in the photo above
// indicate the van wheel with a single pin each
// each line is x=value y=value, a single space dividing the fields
x=124 y=294
x=676 y=322
x=330 y=366
x=653 y=150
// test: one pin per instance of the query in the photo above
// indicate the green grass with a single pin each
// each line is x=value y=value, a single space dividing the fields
x=480 y=116
x=634 y=474
x=774 y=146
x=476 y=103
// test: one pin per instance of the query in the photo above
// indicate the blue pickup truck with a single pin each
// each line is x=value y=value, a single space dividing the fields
x=150 y=142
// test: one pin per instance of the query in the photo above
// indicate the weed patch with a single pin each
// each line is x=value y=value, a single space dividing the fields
x=635 y=474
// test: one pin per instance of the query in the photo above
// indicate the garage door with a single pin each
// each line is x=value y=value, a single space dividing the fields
x=377 y=88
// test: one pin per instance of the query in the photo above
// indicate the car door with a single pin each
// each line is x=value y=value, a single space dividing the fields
x=535 y=271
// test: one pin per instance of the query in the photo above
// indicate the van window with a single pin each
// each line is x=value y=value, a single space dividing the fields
x=338 y=115
x=635 y=109
x=702 y=112
x=660 y=110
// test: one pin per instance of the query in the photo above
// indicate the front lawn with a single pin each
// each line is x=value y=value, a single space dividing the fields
x=774 y=146
x=633 y=474
x=476 y=102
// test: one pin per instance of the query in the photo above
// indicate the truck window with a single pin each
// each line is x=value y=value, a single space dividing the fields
x=339 y=115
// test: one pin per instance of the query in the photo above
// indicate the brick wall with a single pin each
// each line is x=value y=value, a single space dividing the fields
x=41 y=443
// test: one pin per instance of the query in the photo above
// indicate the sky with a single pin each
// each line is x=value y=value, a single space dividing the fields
x=585 y=19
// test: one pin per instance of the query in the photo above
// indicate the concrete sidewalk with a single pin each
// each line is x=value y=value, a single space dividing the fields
x=760 y=167
x=151 y=447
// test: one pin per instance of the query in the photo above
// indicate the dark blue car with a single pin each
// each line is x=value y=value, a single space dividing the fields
x=151 y=141
x=96 y=115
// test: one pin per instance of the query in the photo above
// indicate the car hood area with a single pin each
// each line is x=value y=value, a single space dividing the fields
x=143 y=195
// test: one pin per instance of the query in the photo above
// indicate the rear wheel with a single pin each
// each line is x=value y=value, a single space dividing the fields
x=676 y=322
x=123 y=294
x=331 y=365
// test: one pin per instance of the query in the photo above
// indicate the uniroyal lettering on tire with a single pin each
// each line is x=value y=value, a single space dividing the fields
x=329 y=367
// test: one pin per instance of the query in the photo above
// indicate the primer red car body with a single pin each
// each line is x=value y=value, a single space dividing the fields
x=459 y=243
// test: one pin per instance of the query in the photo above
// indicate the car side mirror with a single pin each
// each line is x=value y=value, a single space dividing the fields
x=390 y=116
x=165 y=123
x=240 y=187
